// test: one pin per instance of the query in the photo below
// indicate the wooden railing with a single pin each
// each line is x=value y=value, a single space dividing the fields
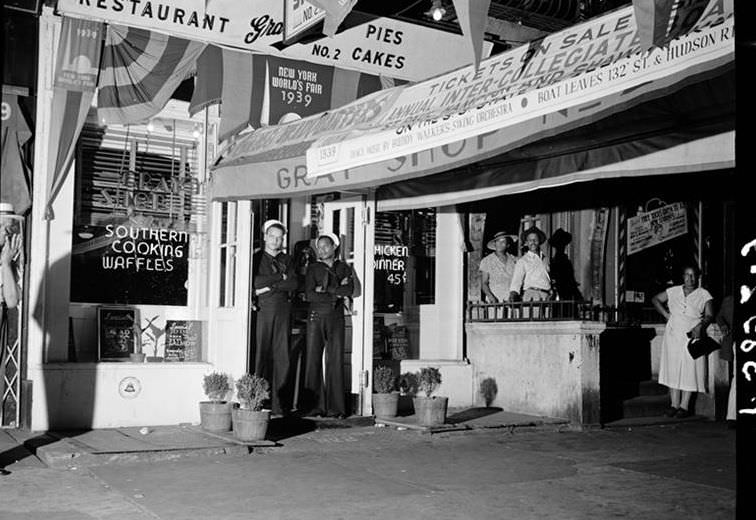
x=560 y=310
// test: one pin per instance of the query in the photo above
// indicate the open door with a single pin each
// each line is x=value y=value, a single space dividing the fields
x=352 y=221
x=230 y=279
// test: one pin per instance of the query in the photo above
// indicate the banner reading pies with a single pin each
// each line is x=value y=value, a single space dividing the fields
x=379 y=46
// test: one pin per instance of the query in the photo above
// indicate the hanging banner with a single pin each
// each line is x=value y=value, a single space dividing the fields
x=379 y=46
x=654 y=227
x=496 y=96
x=397 y=112
x=79 y=59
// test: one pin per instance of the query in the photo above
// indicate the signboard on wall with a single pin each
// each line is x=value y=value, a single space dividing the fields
x=131 y=263
x=299 y=15
x=116 y=332
x=183 y=340
x=654 y=227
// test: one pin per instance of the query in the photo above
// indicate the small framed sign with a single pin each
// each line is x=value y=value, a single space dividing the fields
x=117 y=332
x=183 y=340
x=299 y=16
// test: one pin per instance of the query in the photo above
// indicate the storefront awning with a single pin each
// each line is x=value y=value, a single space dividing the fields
x=691 y=130
x=461 y=118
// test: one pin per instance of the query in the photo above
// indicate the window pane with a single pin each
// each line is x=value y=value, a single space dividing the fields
x=224 y=222
x=222 y=285
x=231 y=277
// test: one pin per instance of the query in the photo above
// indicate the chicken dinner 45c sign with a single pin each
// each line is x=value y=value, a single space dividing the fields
x=654 y=227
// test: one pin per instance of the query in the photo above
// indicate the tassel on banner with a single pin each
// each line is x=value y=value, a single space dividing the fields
x=473 y=17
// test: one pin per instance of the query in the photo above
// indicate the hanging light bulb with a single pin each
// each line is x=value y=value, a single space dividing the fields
x=437 y=10
x=150 y=126
x=197 y=131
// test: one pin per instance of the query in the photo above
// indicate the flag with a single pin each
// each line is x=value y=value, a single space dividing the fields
x=259 y=90
x=473 y=17
x=14 y=181
x=336 y=11
x=661 y=21
x=140 y=71
x=73 y=91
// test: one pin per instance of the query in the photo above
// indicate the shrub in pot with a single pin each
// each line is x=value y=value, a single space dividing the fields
x=250 y=420
x=429 y=409
x=385 y=398
x=488 y=390
x=215 y=414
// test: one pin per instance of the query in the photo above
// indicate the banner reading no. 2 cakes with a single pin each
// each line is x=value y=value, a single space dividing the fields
x=380 y=46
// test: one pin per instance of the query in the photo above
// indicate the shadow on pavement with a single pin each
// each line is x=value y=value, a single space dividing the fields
x=286 y=427
x=471 y=413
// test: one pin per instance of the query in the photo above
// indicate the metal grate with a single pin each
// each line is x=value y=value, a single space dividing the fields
x=562 y=310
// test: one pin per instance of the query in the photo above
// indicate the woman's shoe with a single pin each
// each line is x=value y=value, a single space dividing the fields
x=682 y=413
x=671 y=411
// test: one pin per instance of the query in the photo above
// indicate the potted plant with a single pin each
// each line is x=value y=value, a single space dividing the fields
x=250 y=420
x=407 y=389
x=151 y=334
x=215 y=414
x=430 y=409
x=385 y=398
x=137 y=356
x=488 y=390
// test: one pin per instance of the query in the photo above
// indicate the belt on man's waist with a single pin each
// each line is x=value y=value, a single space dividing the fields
x=537 y=289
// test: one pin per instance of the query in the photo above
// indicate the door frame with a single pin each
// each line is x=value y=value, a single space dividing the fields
x=362 y=306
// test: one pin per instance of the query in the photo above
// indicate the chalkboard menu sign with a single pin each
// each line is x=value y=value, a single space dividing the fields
x=398 y=342
x=183 y=340
x=115 y=331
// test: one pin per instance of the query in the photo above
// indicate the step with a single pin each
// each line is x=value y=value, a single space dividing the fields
x=645 y=406
x=652 y=388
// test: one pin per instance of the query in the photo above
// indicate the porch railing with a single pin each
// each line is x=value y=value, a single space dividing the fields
x=560 y=310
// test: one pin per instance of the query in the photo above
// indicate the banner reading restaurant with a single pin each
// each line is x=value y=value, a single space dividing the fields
x=576 y=52
x=379 y=46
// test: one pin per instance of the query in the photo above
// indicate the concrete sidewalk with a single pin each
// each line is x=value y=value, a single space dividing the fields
x=66 y=449
x=62 y=449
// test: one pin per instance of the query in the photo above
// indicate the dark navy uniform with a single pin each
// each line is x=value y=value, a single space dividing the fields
x=273 y=325
x=325 y=332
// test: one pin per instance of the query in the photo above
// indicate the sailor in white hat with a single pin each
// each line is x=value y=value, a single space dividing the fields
x=274 y=277
x=328 y=283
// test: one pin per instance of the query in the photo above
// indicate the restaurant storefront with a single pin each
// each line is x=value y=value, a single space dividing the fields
x=413 y=225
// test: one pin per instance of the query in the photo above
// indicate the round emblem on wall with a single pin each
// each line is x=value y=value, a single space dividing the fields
x=129 y=387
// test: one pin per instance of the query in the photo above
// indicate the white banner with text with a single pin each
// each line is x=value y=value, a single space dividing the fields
x=380 y=46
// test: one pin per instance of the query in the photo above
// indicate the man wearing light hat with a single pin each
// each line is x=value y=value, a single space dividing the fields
x=274 y=278
x=531 y=273
x=327 y=283
x=496 y=269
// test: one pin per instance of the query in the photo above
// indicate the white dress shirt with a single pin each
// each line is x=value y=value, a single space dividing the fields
x=531 y=272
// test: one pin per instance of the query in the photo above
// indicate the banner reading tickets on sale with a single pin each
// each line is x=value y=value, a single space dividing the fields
x=560 y=72
x=446 y=105
x=380 y=46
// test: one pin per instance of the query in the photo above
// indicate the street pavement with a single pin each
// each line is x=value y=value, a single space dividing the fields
x=682 y=470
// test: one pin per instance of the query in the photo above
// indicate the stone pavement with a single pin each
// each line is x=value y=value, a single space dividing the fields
x=64 y=449
x=353 y=469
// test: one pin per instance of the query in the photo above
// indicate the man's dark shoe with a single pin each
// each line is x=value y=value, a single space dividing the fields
x=671 y=411
x=682 y=413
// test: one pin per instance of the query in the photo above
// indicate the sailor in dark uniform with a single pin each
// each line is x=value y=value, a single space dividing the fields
x=274 y=277
x=328 y=283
